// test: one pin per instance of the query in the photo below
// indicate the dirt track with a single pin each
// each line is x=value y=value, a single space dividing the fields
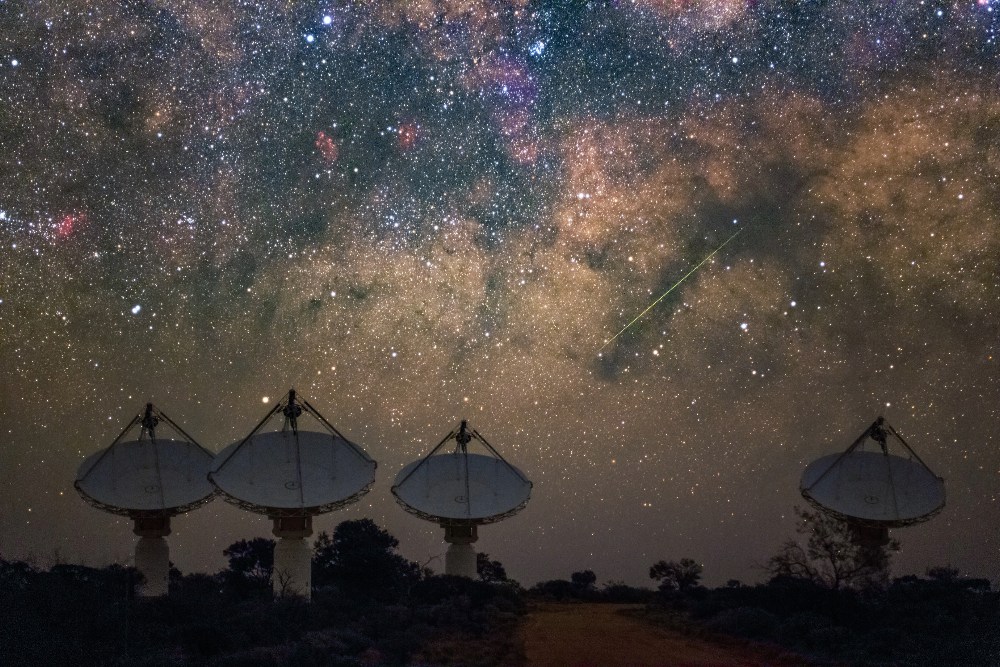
x=599 y=635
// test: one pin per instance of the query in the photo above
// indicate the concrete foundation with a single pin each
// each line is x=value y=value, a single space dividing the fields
x=292 y=573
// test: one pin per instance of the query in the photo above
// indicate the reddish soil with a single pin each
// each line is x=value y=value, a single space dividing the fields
x=604 y=635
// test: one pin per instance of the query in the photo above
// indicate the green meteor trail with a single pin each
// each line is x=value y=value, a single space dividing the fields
x=672 y=288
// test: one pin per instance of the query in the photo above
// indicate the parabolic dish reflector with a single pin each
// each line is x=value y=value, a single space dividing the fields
x=148 y=477
x=165 y=477
x=460 y=486
x=876 y=488
x=873 y=486
x=281 y=473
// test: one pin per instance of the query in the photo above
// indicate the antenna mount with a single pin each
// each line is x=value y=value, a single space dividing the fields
x=149 y=422
x=292 y=412
x=464 y=437
x=878 y=433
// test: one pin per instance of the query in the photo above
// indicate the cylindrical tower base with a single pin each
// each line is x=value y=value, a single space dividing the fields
x=292 y=574
x=152 y=559
x=869 y=536
x=152 y=554
x=460 y=559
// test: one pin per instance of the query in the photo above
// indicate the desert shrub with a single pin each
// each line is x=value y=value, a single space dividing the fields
x=749 y=622
x=73 y=615
x=945 y=619
x=360 y=560
x=831 y=557
x=801 y=628
x=584 y=580
x=251 y=563
x=444 y=590
x=557 y=589
x=69 y=615
x=584 y=590
x=489 y=570
x=676 y=576
x=618 y=592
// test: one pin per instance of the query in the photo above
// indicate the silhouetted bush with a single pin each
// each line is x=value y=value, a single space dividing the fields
x=832 y=557
x=618 y=592
x=674 y=576
x=465 y=604
x=489 y=570
x=70 y=615
x=250 y=566
x=584 y=580
x=379 y=610
x=941 y=620
x=747 y=621
x=557 y=589
x=360 y=560
x=582 y=588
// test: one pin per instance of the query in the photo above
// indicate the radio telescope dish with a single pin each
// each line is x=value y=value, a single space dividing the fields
x=149 y=480
x=290 y=476
x=874 y=490
x=460 y=491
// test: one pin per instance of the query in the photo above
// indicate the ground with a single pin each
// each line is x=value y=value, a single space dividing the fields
x=605 y=635
x=600 y=635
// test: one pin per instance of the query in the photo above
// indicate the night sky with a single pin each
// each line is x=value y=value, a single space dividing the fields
x=415 y=212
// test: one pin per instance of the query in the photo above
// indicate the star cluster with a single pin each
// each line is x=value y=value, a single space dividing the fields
x=420 y=211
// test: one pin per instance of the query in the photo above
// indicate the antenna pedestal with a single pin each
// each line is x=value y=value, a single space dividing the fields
x=152 y=554
x=148 y=480
x=157 y=526
x=460 y=559
x=872 y=489
x=292 y=557
x=152 y=559
x=869 y=536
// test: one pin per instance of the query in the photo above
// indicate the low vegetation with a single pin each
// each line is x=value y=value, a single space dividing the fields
x=835 y=602
x=826 y=599
x=370 y=606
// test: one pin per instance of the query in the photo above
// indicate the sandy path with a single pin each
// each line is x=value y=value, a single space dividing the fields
x=597 y=635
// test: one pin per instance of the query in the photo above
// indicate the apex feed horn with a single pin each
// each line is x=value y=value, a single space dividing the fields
x=872 y=489
x=291 y=475
x=461 y=491
x=149 y=480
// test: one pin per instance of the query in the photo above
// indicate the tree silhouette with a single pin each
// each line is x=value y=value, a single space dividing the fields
x=489 y=570
x=830 y=557
x=674 y=576
x=584 y=580
x=360 y=559
x=251 y=564
x=944 y=573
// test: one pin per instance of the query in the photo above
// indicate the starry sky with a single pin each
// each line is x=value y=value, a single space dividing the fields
x=420 y=211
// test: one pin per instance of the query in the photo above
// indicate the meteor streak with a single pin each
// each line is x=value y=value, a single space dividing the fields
x=672 y=288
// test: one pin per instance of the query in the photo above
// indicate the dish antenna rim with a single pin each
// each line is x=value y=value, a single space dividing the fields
x=147 y=421
x=463 y=436
x=878 y=431
x=292 y=407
